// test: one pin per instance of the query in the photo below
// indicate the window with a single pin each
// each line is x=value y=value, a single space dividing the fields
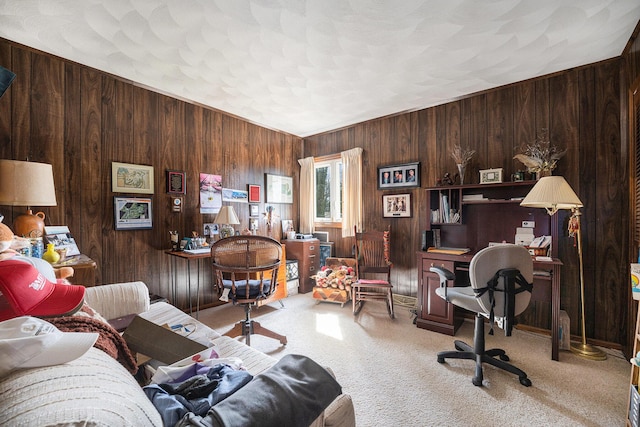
x=328 y=197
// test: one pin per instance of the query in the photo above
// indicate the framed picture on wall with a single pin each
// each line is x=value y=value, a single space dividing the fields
x=396 y=205
x=132 y=213
x=279 y=189
x=129 y=178
x=254 y=193
x=399 y=176
x=176 y=182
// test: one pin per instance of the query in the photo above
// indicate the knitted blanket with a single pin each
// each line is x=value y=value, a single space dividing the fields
x=109 y=340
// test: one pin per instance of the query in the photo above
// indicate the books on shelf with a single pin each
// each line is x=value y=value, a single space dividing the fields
x=445 y=213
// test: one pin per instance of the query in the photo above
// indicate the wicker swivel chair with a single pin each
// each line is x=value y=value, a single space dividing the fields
x=372 y=258
x=500 y=289
x=245 y=269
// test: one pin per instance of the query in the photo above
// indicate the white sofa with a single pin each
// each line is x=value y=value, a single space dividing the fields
x=96 y=390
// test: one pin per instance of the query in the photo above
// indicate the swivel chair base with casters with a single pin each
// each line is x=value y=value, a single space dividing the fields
x=249 y=327
x=500 y=288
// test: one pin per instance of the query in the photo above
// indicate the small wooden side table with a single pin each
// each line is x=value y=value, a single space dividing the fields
x=84 y=269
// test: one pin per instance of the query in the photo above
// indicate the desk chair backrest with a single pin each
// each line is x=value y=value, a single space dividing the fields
x=487 y=263
x=373 y=253
x=246 y=265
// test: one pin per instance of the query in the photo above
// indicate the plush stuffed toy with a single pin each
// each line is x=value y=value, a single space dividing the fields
x=10 y=244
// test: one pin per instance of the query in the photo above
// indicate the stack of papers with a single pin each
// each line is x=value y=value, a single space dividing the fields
x=450 y=251
x=472 y=197
x=198 y=251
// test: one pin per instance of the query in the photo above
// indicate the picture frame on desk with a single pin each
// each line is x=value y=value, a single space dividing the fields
x=396 y=205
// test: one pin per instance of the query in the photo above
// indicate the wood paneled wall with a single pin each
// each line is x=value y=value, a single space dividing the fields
x=581 y=109
x=81 y=120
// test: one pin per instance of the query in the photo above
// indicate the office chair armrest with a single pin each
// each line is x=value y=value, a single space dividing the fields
x=445 y=275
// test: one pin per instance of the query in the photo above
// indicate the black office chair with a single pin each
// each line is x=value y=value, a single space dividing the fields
x=501 y=278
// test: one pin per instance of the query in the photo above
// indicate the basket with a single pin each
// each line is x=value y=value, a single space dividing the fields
x=405 y=301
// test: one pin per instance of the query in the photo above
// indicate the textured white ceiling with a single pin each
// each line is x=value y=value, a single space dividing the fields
x=309 y=66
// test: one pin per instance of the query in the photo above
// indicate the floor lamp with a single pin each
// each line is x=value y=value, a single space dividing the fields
x=553 y=193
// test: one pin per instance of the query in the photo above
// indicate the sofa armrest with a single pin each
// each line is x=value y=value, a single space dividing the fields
x=118 y=299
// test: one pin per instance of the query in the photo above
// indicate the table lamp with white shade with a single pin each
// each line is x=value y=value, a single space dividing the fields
x=226 y=218
x=27 y=184
x=553 y=193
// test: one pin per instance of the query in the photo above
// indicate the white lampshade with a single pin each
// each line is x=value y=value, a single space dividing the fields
x=552 y=193
x=26 y=184
x=227 y=216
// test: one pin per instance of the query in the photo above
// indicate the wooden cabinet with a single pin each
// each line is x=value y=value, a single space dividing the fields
x=434 y=313
x=307 y=253
x=281 y=291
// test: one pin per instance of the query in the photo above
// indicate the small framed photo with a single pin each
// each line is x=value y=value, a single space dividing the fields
x=230 y=195
x=396 y=205
x=132 y=213
x=176 y=182
x=399 y=176
x=491 y=176
x=128 y=178
x=254 y=193
x=254 y=211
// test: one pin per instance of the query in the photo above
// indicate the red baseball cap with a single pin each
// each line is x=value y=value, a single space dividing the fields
x=27 y=292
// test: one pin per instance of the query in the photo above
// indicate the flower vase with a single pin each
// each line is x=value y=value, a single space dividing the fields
x=542 y=173
x=461 y=169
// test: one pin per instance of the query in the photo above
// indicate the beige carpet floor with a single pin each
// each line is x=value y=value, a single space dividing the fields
x=389 y=368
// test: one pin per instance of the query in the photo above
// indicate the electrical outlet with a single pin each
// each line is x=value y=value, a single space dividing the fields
x=529 y=224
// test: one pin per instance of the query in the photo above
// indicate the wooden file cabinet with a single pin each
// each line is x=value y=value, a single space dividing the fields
x=307 y=253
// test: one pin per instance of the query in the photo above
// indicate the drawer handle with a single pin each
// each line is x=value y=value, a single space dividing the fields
x=311 y=248
x=312 y=268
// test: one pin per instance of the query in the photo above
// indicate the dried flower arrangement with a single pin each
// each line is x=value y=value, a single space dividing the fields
x=461 y=157
x=540 y=156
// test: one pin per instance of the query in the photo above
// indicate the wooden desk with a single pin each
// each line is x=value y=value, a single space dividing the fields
x=279 y=294
x=84 y=270
x=187 y=257
x=437 y=315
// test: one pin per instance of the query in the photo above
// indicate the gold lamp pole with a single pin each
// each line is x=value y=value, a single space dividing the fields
x=553 y=193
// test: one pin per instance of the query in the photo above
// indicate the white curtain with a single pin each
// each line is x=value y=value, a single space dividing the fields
x=352 y=191
x=307 y=190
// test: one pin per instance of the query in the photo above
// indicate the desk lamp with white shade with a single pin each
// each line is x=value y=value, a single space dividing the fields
x=553 y=193
x=226 y=218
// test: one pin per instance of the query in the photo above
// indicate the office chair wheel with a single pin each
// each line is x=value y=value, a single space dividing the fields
x=477 y=381
x=440 y=359
x=525 y=381
x=504 y=358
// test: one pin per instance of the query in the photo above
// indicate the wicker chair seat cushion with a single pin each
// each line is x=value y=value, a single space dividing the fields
x=241 y=287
